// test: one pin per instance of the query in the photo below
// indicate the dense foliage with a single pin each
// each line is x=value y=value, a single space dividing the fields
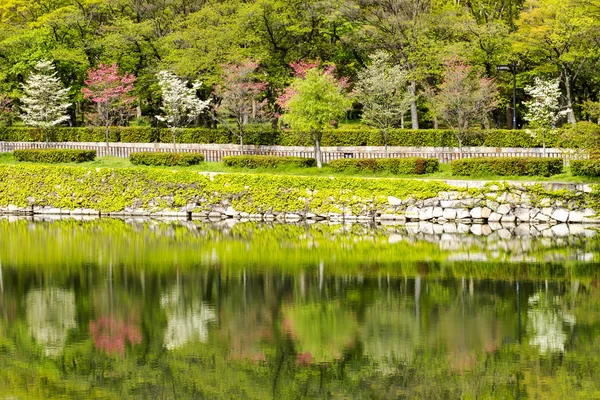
x=589 y=168
x=398 y=166
x=507 y=166
x=166 y=159
x=268 y=162
x=202 y=39
x=55 y=156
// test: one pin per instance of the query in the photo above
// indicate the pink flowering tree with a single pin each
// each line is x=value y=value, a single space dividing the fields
x=240 y=97
x=464 y=98
x=6 y=111
x=111 y=93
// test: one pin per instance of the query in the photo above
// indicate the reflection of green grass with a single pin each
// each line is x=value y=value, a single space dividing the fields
x=444 y=173
x=66 y=246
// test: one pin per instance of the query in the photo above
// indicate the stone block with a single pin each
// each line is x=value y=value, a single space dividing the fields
x=394 y=201
x=495 y=217
x=425 y=214
x=503 y=209
x=486 y=212
x=560 y=214
x=522 y=214
x=476 y=213
x=463 y=214
x=438 y=212
x=449 y=214
x=508 y=218
x=412 y=212
x=576 y=216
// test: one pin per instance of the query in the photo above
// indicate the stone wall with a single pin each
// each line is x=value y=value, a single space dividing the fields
x=471 y=202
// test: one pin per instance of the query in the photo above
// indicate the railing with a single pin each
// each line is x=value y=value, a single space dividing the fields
x=215 y=152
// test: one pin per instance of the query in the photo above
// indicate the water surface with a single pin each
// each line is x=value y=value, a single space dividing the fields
x=178 y=310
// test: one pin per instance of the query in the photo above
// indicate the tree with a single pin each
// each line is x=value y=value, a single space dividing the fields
x=463 y=98
x=111 y=93
x=591 y=109
x=312 y=103
x=181 y=106
x=240 y=96
x=381 y=89
x=560 y=36
x=543 y=110
x=6 y=111
x=45 y=101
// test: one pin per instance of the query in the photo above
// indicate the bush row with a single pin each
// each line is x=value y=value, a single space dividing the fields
x=507 y=166
x=54 y=156
x=412 y=165
x=268 y=162
x=166 y=159
x=255 y=136
x=589 y=168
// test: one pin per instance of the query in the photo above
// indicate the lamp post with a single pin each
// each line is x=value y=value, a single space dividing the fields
x=512 y=68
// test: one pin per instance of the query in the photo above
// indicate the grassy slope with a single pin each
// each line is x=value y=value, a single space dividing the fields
x=444 y=173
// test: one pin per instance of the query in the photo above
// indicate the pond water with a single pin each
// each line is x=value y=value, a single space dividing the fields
x=177 y=310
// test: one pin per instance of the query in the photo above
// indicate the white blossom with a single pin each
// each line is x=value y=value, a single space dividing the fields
x=543 y=110
x=181 y=106
x=45 y=101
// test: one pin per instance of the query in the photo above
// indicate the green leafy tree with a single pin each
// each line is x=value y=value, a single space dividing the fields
x=381 y=89
x=314 y=102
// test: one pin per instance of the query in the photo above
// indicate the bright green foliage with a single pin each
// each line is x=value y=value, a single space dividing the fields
x=590 y=168
x=156 y=189
x=166 y=159
x=267 y=162
x=54 y=156
x=507 y=166
x=399 y=166
x=316 y=103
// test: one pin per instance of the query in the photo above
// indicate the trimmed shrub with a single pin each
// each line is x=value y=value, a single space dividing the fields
x=166 y=159
x=507 y=166
x=268 y=162
x=399 y=166
x=589 y=168
x=54 y=156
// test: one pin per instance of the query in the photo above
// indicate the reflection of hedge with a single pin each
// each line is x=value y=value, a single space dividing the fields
x=54 y=156
x=166 y=159
x=268 y=162
x=507 y=166
x=255 y=136
x=400 y=166
x=589 y=168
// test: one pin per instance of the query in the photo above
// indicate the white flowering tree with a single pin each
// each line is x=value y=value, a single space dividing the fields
x=181 y=106
x=543 y=110
x=46 y=100
x=381 y=89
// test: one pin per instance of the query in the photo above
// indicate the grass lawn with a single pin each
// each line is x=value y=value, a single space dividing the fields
x=444 y=173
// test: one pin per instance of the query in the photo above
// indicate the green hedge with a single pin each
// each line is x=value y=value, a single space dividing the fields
x=589 y=168
x=166 y=159
x=418 y=138
x=507 y=166
x=54 y=156
x=412 y=165
x=359 y=136
x=268 y=162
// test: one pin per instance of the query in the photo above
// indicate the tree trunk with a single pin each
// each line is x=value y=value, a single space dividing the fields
x=436 y=124
x=402 y=121
x=571 y=113
x=384 y=134
x=318 y=153
x=414 y=117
